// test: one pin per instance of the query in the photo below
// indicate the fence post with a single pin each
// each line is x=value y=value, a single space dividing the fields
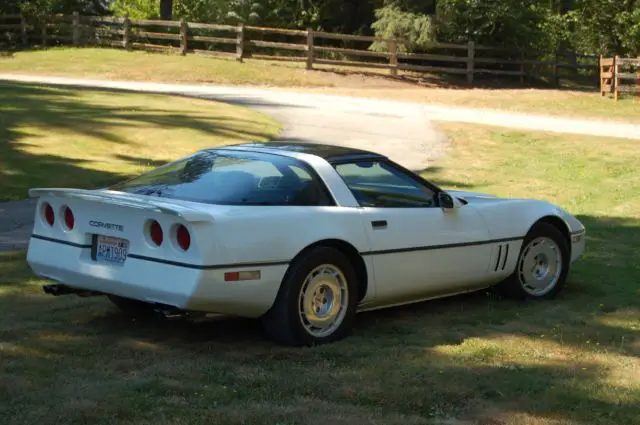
x=393 y=55
x=637 y=97
x=126 y=29
x=184 y=29
x=76 y=28
x=601 y=69
x=471 y=54
x=615 y=82
x=23 y=30
x=309 y=49
x=240 y=43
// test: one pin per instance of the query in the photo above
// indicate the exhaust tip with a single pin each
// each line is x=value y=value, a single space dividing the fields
x=53 y=289
x=57 y=289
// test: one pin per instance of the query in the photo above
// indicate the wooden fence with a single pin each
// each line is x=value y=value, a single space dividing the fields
x=620 y=75
x=309 y=46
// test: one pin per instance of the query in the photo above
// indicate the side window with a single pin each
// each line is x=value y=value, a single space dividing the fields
x=302 y=174
x=378 y=184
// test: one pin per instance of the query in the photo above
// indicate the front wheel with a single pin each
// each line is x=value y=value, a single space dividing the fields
x=317 y=301
x=542 y=267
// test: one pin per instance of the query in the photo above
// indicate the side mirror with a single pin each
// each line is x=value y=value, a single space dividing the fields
x=447 y=202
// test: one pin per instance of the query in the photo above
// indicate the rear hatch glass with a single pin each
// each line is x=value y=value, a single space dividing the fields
x=233 y=178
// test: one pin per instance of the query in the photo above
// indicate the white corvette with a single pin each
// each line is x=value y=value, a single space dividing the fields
x=302 y=236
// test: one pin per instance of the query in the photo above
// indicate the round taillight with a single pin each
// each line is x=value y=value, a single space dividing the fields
x=183 y=237
x=155 y=231
x=49 y=215
x=69 y=219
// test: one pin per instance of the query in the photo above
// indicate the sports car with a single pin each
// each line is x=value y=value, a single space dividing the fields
x=300 y=236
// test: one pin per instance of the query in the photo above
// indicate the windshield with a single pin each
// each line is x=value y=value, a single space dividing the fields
x=233 y=178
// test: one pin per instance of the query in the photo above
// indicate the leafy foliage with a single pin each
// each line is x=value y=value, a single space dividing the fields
x=606 y=26
x=200 y=10
x=36 y=8
x=136 y=9
x=415 y=28
x=243 y=11
x=587 y=26
x=506 y=23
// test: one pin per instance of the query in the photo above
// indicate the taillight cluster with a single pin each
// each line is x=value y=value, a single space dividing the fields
x=155 y=231
x=69 y=219
x=183 y=237
x=49 y=216
x=180 y=235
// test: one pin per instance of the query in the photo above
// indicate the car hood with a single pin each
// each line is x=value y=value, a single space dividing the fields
x=487 y=202
x=475 y=197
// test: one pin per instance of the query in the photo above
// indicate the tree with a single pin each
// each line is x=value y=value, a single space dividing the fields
x=243 y=11
x=166 y=10
x=606 y=27
x=508 y=23
x=415 y=28
x=43 y=7
x=135 y=9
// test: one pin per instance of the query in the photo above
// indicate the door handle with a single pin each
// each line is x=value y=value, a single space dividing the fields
x=379 y=224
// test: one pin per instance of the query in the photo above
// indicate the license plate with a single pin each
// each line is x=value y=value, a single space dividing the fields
x=110 y=250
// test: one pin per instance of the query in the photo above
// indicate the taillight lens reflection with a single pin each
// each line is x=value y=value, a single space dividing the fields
x=156 y=234
x=69 y=219
x=183 y=237
x=49 y=215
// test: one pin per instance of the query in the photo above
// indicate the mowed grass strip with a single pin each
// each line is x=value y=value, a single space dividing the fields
x=465 y=360
x=139 y=65
x=60 y=137
x=117 y=64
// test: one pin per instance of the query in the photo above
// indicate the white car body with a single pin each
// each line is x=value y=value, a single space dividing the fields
x=419 y=254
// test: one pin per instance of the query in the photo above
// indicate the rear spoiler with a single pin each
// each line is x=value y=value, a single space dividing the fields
x=126 y=200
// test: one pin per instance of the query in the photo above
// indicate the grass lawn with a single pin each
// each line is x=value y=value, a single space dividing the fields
x=460 y=361
x=87 y=138
x=141 y=66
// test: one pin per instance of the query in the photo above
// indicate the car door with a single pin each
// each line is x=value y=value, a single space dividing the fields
x=419 y=249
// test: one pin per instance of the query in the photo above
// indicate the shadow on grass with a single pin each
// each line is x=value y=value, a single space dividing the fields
x=63 y=112
x=436 y=360
x=457 y=82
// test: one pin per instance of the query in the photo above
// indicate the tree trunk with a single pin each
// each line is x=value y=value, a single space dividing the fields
x=166 y=10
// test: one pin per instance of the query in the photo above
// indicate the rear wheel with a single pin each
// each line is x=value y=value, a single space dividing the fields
x=542 y=267
x=317 y=300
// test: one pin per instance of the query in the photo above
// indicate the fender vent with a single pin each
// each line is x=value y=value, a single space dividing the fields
x=503 y=255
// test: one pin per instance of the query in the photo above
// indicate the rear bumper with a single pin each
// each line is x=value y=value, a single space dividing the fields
x=182 y=287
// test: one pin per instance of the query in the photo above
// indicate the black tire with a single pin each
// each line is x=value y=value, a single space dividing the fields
x=512 y=287
x=133 y=308
x=283 y=324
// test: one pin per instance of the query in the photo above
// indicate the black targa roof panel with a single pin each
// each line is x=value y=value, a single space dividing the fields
x=325 y=151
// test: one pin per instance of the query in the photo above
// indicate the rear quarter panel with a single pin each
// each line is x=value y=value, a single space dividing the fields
x=255 y=234
x=279 y=233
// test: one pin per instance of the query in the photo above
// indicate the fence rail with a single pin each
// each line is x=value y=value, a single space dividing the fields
x=309 y=46
x=620 y=75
